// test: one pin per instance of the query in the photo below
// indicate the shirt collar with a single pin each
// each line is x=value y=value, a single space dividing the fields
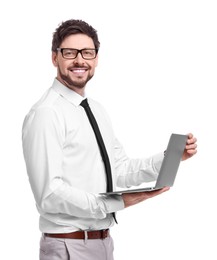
x=67 y=93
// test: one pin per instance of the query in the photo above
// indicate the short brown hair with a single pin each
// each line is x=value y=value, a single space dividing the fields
x=70 y=27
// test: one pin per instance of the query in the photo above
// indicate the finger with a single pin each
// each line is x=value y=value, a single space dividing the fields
x=191 y=146
x=190 y=135
x=192 y=152
x=192 y=140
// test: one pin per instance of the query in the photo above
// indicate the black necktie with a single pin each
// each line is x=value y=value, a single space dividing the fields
x=101 y=145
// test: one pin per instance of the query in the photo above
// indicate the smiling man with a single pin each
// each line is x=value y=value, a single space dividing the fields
x=75 y=75
x=72 y=156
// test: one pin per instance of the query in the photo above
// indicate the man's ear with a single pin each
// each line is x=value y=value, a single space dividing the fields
x=54 y=59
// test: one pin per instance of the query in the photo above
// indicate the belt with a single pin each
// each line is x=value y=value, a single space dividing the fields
x=97 y=234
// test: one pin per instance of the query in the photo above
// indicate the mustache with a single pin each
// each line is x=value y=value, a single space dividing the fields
x=78 y=67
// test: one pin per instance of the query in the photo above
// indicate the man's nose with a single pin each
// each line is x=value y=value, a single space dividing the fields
x=79 y=58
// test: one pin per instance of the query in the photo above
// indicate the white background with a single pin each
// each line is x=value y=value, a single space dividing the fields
x=156 y=75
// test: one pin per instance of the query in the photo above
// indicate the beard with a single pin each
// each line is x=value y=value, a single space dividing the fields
x=79 y=83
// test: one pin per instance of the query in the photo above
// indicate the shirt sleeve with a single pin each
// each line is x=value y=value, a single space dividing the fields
x=43 y=140
x=133 y=172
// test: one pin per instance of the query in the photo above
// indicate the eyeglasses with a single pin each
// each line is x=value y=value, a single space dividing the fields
x=69 y=53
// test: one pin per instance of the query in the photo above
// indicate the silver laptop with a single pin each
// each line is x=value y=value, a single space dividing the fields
x=169 y=167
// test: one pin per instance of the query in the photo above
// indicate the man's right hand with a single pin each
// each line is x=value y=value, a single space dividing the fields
x=131 y=199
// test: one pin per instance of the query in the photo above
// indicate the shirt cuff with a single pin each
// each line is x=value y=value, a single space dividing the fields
x=113 y=203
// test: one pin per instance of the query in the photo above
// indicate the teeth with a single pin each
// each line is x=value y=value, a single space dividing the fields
x=79 y=71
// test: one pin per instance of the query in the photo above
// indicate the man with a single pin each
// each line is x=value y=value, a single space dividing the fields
x=65 y=162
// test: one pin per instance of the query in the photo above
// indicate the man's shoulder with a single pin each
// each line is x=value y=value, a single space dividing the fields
x=44 y=108
x=47 y=100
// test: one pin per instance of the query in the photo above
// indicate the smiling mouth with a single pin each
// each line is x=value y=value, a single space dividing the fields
x=78 y=70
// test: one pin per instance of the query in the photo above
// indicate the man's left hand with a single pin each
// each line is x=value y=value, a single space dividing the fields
x=190 y=148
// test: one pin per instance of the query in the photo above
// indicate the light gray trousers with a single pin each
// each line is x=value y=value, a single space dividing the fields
x=76 y=249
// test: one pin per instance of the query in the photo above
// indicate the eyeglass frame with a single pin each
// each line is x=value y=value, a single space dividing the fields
x=78 y=51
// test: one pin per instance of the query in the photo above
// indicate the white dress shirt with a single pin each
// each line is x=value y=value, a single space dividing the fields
x=65 y=168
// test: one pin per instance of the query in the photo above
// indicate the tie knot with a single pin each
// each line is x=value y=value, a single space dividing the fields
x=84 y=103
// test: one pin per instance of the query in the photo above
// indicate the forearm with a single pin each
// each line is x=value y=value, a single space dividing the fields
x=72 y=201
x=133 y=172
x=131 y=199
